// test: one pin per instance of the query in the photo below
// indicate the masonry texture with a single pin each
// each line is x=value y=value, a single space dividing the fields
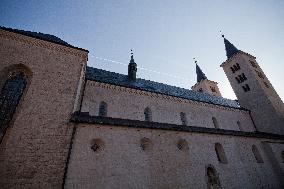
x=81 y=127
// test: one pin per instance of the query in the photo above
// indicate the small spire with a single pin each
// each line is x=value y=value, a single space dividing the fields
x=132 y=59
x=230 y=48
x=199 y=72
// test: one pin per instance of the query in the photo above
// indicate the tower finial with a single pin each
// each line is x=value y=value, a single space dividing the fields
x=195 y=61
x=132 y=59
x=222 y=34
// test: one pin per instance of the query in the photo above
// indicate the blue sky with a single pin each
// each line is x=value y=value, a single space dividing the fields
x=164 y=35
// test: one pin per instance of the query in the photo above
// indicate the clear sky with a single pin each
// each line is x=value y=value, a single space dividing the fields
x=164 y=34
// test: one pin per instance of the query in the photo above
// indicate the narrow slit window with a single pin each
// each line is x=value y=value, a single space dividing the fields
x=215 y=122
x=221 y=156
x=256 y=154
x=148 y=114
x=213 y=181
x=183 y=118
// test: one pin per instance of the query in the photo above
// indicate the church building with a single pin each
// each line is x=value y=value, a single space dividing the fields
x=64 y=124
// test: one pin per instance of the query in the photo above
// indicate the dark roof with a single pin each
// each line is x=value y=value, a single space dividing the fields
x=104 y=76
x=230 y=48
x=200 y=74
x=42 y=36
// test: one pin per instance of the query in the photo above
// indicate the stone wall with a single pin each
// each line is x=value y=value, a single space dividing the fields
x=34 y=149
x=121 y=161
x=130 y=104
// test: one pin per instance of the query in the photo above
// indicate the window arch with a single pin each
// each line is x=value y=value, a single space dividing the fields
x=14 y=81
x=183 y=118
x=221 y=156
x=213 y=181
x=148 y=114
x=103 y=109
x=257 y=154
x=215 y=122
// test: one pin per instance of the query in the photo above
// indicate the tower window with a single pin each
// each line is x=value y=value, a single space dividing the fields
x=221 y=156
x=235 y=67
x=148 y=114
x=241 y=78
x=212 y=178
x=238 y=80
x=200 y=90
x=10 y=96
x=183 y=118
x=257 y=154
x=215 y=123
x=266 y=85
x=246 y=88
x=213 y=89
x=259 y=74
x=103 y=109
x=253 y=64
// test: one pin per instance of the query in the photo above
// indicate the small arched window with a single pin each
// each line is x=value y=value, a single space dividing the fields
x=257 y=154
x=103 y=109
x=148 y=114
x=146 y=144
x=183 y=118
x=10 y=96
x=213 y=181
x=221 y=156
x=215 y=123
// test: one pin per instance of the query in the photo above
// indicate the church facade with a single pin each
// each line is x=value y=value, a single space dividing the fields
x=66 y=125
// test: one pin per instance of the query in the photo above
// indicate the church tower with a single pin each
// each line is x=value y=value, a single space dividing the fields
x=205 y=85
x=253 y=90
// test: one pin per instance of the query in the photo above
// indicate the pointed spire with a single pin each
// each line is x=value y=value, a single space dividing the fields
x=199 y=72
x=132 y=68
x=132 y=59
x=230 y=48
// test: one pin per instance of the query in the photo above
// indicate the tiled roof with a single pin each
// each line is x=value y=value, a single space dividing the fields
x=42 y=36
x=104 y=76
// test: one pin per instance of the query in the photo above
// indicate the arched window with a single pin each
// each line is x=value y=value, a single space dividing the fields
x=213 y=181
x=148 y=114
x=240 y=126
x=183 y=118
x=220 y=153
x=103 y=109
x=146 y=144
x=257 y=154
x=10 y=96
x=215 y=122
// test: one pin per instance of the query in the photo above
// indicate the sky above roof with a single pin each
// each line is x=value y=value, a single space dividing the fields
x=164 y=35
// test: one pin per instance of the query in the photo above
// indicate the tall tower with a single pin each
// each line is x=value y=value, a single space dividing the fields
x=253 y=90
x=205 y=85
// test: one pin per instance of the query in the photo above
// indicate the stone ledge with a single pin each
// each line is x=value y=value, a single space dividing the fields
x=84 y=117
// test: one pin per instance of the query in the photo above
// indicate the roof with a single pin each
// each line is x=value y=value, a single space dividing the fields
x=230 y=48
x=104 y=76
x=200 y=74
x=42 y=36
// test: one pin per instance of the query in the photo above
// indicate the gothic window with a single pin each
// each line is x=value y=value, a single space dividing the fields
x=182 y=145
x=146 y=144
x=215 y=123
x=103 y=109
x=148 y=114
x=97 y=145
x=213 y=181
x=253 y=64
x=221 y=156
x=10 y=96
x=183 y=118
x=257 y=154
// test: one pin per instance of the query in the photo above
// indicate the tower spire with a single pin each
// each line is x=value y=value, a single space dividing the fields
x=132 y=68
x=230 y=48
x=199 y=72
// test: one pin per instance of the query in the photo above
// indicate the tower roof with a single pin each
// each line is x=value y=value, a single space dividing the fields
x=230 y=48
x=199 y=73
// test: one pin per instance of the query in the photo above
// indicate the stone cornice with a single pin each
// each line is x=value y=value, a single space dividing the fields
x=79 y=117
x=162 y=96
x=235 y=55
x=44 y=44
